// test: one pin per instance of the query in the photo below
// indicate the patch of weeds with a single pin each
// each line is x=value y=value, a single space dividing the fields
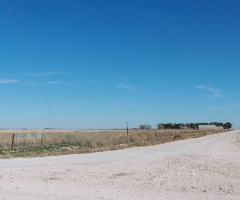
x=54 y=149
x=2 y=152
x=177 y=137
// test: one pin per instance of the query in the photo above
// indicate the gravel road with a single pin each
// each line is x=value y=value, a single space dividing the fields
x=200 y=168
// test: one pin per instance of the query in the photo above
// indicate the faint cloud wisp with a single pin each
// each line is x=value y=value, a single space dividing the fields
x=56 y=82
x=94 y=82
x=211 y=91
x=220 y=107
x=126 y=87
x=125 y=106
x=46 y=73
x=31 y=83
x=6 y=81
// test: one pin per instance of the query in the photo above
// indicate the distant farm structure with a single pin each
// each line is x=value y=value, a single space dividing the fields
x=203 y=127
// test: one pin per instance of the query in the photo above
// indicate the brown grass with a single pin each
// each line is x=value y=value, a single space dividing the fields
x=103 y=138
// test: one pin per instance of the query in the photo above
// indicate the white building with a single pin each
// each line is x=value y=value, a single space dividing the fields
x=202 y=127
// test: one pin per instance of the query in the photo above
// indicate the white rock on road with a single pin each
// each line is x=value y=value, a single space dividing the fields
x=200 y=168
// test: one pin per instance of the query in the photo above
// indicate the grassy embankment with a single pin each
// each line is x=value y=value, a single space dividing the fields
x=61 y=142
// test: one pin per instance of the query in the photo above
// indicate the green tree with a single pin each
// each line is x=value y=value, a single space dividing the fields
x=227 y=125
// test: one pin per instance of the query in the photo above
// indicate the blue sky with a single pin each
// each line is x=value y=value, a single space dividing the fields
x=104 y=63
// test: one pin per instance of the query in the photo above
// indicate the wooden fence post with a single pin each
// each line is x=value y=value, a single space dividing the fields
x=12 y=141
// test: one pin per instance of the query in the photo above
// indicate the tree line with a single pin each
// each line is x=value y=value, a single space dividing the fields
x=227 y=125
x=145 y=126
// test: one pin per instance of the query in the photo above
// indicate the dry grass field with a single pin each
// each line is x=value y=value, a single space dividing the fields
x=59 y=142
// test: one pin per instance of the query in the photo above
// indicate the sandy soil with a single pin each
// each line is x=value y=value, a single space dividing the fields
x=200 y=168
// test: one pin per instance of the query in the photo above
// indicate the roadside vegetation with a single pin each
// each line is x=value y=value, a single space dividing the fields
x=62 y=142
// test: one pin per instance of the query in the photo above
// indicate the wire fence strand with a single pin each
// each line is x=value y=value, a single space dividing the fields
x=31 y=65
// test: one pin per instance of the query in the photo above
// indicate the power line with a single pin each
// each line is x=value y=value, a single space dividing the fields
x=31 y=64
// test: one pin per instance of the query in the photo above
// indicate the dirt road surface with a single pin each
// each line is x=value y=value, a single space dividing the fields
x=200 y=168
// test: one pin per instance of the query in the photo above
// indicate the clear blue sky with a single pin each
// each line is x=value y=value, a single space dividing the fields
x=103 y=63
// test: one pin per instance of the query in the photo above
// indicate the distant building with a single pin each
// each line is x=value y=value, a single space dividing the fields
x=202 y=127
